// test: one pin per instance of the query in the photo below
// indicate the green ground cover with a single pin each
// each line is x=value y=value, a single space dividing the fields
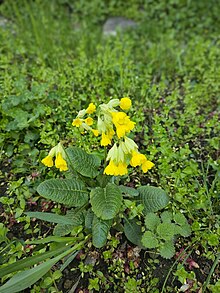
x=54 y=61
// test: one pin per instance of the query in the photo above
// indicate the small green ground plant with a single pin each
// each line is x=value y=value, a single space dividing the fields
x=96 y=198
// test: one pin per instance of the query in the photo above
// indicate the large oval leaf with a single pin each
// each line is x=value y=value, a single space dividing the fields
x=67 y=191
x=133 y=231
x=153 y=198
x=106 y=202
x=85 y=164
x=100 y=231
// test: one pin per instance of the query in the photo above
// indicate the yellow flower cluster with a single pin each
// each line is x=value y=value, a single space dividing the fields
x=122 y=123
x=82 y=123
x=59 y=154
x=120 y=156
x=114 y=126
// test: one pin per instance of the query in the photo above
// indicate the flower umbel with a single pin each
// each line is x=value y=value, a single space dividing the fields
x=114 y=125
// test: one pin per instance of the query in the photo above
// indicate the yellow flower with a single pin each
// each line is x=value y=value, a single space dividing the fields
x=77 y=122
x=59 y=153
x=89 y=121
x=48 y=161
x=125 y=103
x=95 y=132
x=137 y=159
x=110 y=169
x=110 y=133
x=122 y=169
x=105 y=140
x=140 y=160
x=60 y=163
x=147 y=165
x=116 y=169
x=122 y=123
x=91 y=109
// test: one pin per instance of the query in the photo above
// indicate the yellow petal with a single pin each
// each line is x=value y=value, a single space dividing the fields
x=89 y=121
x=110 y=133
x=60 y=163
x=137 y=159
x=91 y=109
x=95 y=132
x=125 y=103
x=121 y=131
x=110 y=169
x=147 y=165
x=77 y=122
x=122 y=123
x=122 y=169
x=48 y=161
x=105 y=140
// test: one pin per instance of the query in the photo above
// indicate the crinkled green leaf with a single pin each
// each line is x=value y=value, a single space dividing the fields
x=166 y=217
x=133 y=231
x=75 y=216
x=152 y=221
x=153 y=198
x=166 y=230
x=129 y=191
x=167 y=250
x=184 y=231
x=180 y=219
x=106 y=202
x=88 y=219
x=85 y=164
x=100 y=230
x=149 y=240
x=70 y=192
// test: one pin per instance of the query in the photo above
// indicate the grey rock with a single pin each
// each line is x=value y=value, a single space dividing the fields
x=3 y=22
x=114 y=24
x=68 y=284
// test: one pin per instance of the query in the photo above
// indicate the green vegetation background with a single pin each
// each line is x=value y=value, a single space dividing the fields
x=54 y=60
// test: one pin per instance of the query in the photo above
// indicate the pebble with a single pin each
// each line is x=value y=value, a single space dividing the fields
x=114 y=24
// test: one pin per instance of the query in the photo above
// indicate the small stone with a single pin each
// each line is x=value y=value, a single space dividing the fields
x=3 y=22
x=113 y=24
x=68 y=284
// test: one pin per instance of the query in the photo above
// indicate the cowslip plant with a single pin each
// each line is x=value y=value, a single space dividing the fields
x=92 y=191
